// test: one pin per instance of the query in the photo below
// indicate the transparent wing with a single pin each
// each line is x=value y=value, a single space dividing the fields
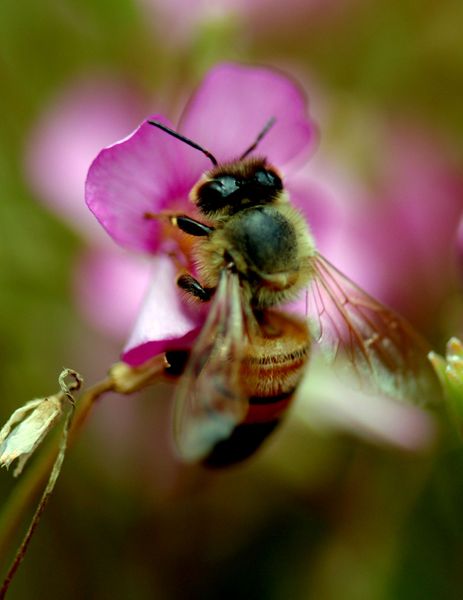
x=360 y=334
x=209 y=402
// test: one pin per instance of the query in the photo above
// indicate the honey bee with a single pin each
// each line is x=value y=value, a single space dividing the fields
x=254 y=252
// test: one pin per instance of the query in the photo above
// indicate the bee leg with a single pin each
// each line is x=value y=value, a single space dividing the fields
x=191 y=226
x=191 y=285
x=176 y=361
x=184 y=223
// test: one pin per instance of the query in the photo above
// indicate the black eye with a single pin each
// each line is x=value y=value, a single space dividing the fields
x=221 y=187
x=267 y=179
x=214 y=194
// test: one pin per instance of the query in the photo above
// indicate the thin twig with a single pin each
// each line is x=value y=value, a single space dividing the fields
x=30 y=482
x=121 y=379
x=21 y=552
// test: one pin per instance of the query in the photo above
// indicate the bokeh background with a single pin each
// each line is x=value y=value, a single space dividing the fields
x=317 y=514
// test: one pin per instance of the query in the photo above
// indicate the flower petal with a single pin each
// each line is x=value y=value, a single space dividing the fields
x=84 y=117
x=328 y=403
x=149 y=171
x=235 y=102
x=318 y=208
x=164 y=322
x=109 y=287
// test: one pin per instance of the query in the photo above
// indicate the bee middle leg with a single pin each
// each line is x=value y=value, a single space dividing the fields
x=193 y=227
x=192 y=286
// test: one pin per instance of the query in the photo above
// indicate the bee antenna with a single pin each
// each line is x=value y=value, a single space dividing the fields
x=270 y=123
x=182 y=138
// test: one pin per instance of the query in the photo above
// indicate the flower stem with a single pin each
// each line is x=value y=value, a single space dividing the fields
x=21 y=552
x=122 y=379
x=28 y=485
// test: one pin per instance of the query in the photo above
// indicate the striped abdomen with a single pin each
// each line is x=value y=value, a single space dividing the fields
x=272 y=368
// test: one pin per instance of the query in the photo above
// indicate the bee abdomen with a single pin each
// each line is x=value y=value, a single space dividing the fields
x=275 y=359
x=266 y=410
x=264 y=415
x=274 y=363
x=243 y=442
x=272 y=377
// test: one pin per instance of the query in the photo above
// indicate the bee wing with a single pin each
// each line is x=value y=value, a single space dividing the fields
x=355 y=330
x=209 y=402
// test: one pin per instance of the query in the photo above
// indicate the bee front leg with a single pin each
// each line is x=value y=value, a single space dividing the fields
x=192 y=286
x=184 y=223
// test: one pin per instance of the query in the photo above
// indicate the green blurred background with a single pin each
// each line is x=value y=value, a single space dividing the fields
x=312 y=516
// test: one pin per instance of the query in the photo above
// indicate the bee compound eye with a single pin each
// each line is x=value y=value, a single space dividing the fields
x=267 y=178
x=212 y=194
x=225 y=186
x=213 y=188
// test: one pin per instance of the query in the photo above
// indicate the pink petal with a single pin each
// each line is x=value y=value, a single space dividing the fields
x=258 y=18
x=109 y=288
x=164 y=323
x=417 y=207
x=234 y=103
x=149 y=171
x=328 y=402
x=86 y=116
x=318 y=208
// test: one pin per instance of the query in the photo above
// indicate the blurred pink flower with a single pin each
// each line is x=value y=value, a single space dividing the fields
x=109 y=284
x=150 y=171
x=184 y=18
x=393 y=230
x=336 y=404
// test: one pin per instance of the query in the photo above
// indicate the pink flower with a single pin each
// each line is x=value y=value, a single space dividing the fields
x=151 y=171
x=185 y=19
x=83 y=117
x=395 y=215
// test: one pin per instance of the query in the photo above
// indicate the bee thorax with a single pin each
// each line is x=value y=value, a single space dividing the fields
x=264 y=238
x=270 y=248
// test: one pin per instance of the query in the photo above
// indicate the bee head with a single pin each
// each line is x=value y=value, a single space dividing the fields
x=232 y=187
